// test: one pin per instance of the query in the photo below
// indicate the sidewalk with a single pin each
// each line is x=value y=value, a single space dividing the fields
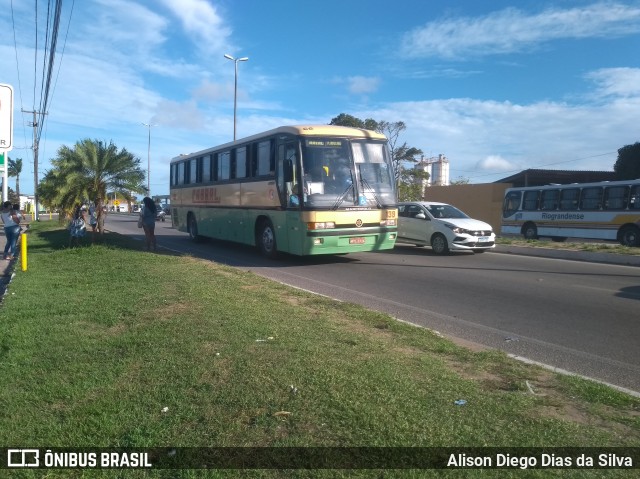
x=6 y=267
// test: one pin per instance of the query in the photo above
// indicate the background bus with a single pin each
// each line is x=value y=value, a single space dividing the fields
x=608 y=210
x=303 y=190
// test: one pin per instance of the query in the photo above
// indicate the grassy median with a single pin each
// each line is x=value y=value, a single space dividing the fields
x=108 y=346
x=586 y=246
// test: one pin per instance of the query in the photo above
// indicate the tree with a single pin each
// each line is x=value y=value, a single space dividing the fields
x=627 y=166
x=412 y=184
x=15 y=168
x=461 y=180
x=399 y=153
x=85 y=173
x=343 y=119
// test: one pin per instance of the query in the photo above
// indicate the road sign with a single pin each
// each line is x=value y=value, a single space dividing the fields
x=6 y=117
x=116 y=202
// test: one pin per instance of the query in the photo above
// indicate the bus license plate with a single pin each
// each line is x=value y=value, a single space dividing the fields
x=358 y=240
x=483 y=239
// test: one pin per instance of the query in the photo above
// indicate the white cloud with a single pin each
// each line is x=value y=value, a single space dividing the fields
x=483 y=138
x=512 y=30
x=616 y=82
x=183 y=115
x=359 y=85
x=214 y=92
x=202 y=20
x=119 y=26
x=495 y=163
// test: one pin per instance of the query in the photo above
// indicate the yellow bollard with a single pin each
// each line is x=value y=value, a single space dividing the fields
x=23 y=251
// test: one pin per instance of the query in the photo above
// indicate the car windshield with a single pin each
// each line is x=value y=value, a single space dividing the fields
x=445 y=211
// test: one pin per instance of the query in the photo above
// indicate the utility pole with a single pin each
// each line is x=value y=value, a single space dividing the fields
x=149 y=126
x=36 y=214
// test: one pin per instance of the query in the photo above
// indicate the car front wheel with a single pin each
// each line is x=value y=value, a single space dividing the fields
x=439 y=244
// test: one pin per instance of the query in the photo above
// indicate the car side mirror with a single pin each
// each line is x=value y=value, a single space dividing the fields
x=420 y=216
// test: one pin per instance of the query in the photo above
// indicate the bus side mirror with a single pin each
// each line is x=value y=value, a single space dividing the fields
x=288 y=171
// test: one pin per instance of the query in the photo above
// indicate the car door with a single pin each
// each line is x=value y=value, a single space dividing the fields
x=430 y=225
x=414 y=224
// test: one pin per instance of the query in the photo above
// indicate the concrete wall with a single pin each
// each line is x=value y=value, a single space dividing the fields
x=480 y=201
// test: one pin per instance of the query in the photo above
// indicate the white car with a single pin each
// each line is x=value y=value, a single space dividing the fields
x=442 y=226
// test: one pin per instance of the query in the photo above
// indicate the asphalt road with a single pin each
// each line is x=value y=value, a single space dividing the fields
x=575 y=316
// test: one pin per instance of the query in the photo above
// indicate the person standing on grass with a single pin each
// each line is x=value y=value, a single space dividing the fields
x=148 y=216
x=11 y=220
x=77 y=227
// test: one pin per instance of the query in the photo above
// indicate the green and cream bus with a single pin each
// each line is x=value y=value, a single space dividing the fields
x=303 y=190
x=608 y=210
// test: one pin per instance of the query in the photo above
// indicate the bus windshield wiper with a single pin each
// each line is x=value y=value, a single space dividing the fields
x=365 y=184
x=341 y=198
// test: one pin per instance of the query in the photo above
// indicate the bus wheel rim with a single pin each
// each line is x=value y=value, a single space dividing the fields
x=267 y=239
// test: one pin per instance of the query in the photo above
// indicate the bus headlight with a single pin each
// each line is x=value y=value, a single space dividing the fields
x=321 y=226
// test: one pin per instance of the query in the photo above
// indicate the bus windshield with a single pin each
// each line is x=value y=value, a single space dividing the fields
x=338 y=172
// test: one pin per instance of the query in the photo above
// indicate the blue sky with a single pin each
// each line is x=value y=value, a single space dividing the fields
x=495 y=86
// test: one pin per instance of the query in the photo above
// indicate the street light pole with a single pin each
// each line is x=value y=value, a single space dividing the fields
x=235 y=89
x=148 y=125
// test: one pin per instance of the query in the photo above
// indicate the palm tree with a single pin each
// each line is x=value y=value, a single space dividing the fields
x=15 y=168
x=85 y=173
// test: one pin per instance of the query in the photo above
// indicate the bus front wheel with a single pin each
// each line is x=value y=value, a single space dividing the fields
x=266 y=239
x=530 y=231
x=630 y=236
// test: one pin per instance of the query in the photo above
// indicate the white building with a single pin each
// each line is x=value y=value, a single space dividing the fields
x=438 y=169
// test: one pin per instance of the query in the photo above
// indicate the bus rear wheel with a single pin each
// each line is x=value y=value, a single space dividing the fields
x=630 y=236
x=266 y=239
x=530 y=231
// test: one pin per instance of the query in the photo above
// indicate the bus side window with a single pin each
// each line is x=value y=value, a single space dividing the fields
x=511 y=203
x=616 y=197
x=569 y=199
x=634 y=200
x=530 y=200
x=549 y=200
x=264 y=159
x=591 y=199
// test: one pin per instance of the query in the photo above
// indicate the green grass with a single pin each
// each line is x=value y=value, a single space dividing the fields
x=613 y=248
x=105 y=345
